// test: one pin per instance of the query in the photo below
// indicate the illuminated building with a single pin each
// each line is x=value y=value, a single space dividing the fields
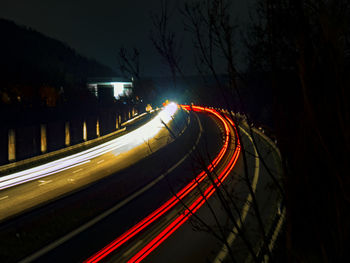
x=106 y=88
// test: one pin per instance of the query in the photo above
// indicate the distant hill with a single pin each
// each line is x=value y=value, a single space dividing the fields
x=31 y=59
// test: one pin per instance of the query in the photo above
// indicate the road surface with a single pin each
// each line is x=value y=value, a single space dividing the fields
x=141 y=193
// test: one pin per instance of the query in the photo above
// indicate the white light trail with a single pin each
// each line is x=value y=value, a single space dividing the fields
x=116 y=146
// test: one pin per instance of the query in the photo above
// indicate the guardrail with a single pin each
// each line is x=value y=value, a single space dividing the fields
x=49 y=156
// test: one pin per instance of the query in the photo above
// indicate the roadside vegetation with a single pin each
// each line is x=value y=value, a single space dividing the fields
x=301 y=48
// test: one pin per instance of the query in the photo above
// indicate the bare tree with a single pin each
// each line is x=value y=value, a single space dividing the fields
x=209 y=23
x=304 y=46
x=129 y=62
x=165 y=41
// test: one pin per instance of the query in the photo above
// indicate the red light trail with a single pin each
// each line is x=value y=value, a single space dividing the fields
x=181 y=219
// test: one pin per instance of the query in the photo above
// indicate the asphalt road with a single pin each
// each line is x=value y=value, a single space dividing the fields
x=58 y=178
x=204 y=135
x=120 y=191
x=46 y=223
x=194 y=243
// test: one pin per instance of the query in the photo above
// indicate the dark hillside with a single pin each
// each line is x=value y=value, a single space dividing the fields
x=30 y=61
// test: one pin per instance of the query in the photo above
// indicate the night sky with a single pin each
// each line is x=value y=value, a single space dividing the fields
x=97 y=29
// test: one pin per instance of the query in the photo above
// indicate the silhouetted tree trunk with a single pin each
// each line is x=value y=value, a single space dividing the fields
x=212 y=31
x=304 y=44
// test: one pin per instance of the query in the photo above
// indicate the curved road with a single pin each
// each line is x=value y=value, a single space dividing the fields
x=144 y=211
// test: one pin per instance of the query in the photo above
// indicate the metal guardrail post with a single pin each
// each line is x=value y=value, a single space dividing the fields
x=116 y=122
x=11 y=145
x=43 y=138
x=84 y=131
x=67 y=134
x=97 y=128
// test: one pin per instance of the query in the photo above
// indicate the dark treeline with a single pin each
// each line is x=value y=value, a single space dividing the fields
x=43 y=79
x=37 y=69
x=303 y=47
x=299 y=71
x=203 y=90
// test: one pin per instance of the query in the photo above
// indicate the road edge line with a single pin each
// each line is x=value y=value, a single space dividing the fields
x=98 y=218
x=232 y=236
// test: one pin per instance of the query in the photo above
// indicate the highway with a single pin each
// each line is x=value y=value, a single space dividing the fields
x=29 y=188
x=193 y=244
x=160 y=224
x=144 y=212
